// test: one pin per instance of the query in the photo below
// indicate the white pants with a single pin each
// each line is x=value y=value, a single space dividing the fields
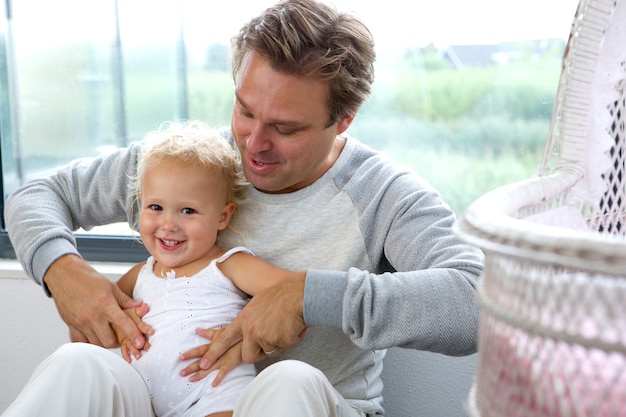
x=293 y=388
x=82 y=380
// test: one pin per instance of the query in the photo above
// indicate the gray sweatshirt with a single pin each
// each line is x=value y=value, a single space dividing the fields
x=383 y=266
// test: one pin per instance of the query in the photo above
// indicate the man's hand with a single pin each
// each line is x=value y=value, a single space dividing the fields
x=272 y=320
x=89 y=303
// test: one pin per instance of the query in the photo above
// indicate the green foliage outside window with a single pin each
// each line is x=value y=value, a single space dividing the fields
x=466 y=130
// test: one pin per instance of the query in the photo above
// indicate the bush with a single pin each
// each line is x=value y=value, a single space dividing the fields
x=521 y=90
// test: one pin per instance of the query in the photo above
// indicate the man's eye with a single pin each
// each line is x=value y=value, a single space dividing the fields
x=284 y=131
x=188 y=210
x=245 y=113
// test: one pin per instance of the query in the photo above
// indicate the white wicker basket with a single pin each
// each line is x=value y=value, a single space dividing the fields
x=553 y=294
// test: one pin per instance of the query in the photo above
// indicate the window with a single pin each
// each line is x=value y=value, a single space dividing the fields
x=464 y=90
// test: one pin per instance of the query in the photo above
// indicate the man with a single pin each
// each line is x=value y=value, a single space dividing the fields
x=382 y=266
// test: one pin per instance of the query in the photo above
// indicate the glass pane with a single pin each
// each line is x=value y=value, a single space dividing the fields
x=63 y=91
x=464 y=90
x=463 y=95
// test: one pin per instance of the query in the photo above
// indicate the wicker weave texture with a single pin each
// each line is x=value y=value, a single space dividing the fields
x=552 y=337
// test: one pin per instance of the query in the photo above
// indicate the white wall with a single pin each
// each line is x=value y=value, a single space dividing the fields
x=424 y=384
x=30 y=330
x=417 y=384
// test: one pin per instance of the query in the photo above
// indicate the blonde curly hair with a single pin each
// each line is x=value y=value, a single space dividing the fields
x=191 y=143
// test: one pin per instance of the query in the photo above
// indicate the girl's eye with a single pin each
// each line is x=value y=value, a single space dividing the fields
x=188 y=210
x=155 y=207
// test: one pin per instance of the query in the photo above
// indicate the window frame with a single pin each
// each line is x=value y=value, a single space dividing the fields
x=100 y=248
x=92 y=247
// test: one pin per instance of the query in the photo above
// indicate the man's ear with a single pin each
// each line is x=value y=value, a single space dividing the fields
x=344 y=123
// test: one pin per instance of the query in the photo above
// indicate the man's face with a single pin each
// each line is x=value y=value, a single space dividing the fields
x=280 y=125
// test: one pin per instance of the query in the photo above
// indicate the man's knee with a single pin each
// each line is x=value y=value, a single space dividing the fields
x=286 y=382
x=289 y=388
x=292 y=375
x=82 y=357
x=86 y=380
x=89 y=363
x=76 y=352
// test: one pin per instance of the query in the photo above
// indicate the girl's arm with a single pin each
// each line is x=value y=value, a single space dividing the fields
x=252 y=274
x=127 y=283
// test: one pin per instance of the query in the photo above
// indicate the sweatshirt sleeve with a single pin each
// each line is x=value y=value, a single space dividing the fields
x=423 y=292
x=41 y=215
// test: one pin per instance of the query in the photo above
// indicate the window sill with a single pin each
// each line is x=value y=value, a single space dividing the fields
x=11 y=269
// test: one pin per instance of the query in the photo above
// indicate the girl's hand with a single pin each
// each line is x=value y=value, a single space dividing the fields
x=128 y=348
x=226 y=363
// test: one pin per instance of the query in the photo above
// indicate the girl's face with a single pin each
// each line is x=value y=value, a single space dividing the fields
x=182 y=209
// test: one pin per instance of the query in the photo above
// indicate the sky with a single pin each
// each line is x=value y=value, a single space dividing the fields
x=449 y=22
x=402 y=23
x=445 y=21
x=396 y=25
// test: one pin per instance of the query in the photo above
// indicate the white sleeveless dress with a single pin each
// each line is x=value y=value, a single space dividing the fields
x=177 y=308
